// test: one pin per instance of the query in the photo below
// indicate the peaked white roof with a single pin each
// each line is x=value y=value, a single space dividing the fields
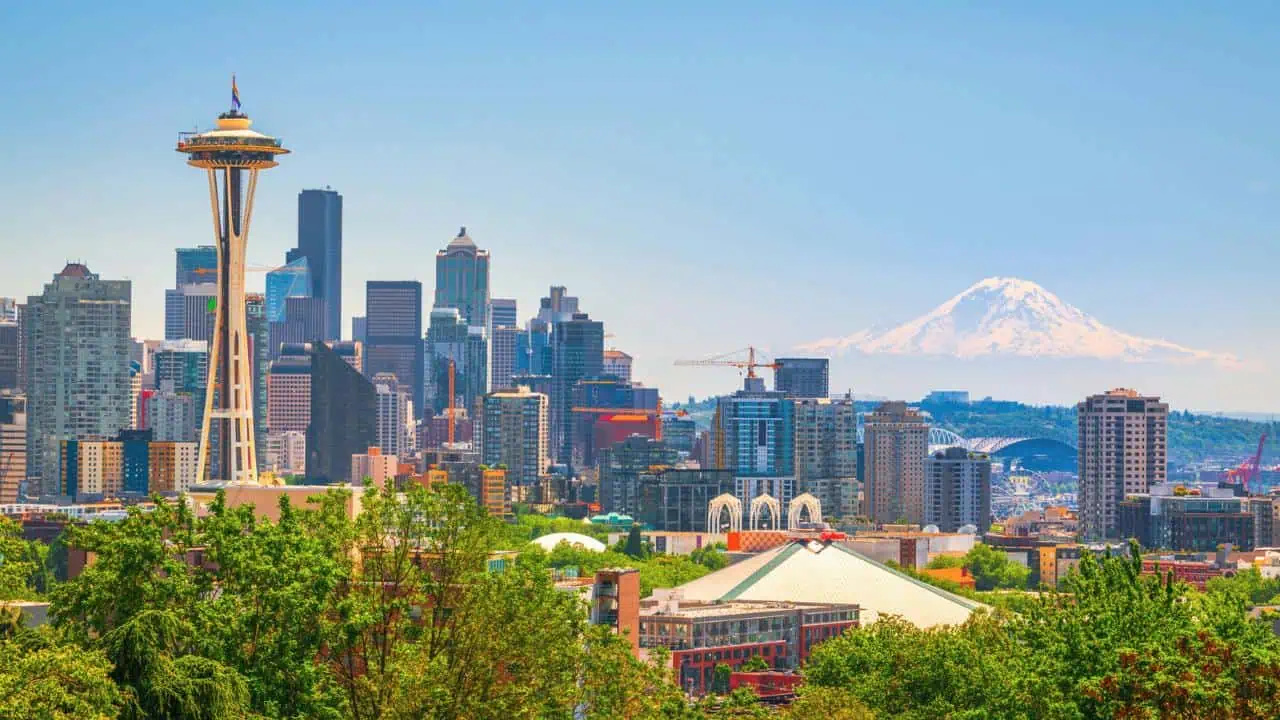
x=549 y=542
x=831 y=573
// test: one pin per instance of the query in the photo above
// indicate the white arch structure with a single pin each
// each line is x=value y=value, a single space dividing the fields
x=759 y=503
x=717 y=506
x=800 y=503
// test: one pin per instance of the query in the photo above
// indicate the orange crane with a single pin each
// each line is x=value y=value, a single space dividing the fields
x=734 y=359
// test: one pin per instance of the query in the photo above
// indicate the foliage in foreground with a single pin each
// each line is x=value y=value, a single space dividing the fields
x=1113 y=644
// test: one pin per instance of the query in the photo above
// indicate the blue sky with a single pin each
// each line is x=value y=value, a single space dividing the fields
x=702 y=175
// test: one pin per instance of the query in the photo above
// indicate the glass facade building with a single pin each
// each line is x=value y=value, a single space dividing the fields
x=320 y=242
x=393 y=334
x=290 y=280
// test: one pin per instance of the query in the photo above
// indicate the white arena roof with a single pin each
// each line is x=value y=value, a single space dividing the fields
x=549 y=542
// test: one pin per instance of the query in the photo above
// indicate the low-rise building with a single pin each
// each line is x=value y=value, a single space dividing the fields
x=702 y=635
x=1195 y=519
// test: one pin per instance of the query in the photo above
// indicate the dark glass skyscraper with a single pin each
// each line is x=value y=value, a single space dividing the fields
x=393 y=334
x=803 y=377
x=196 y=265
x=320 y=242
x=577 y=352
x=344 y=416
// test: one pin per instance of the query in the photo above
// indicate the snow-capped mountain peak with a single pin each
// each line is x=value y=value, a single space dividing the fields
x=1011 y=316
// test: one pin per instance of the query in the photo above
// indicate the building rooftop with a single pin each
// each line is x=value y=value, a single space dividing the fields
x=814 y=572
x=728 y=609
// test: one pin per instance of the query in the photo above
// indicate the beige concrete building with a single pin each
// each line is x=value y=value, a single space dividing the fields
x=514 y=432
x=896 y=441
x=375 y=466
x=1122 y=451
x=826 y=453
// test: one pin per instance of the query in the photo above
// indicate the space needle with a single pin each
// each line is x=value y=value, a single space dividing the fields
x=232 y=154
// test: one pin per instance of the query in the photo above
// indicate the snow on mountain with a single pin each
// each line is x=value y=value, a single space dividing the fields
x=1008 y=316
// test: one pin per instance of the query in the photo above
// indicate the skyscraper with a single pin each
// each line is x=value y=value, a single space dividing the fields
x=303 y=322
x=503 y=366
x=359 y=329
x=181 y=369
x=754 y=433
x=393 y=334
x=957 y=490
x=396 y=426
x=896 y=440
x=515 y=433
x=617 y=364
x=290 y=280
x=803 y=377
x=449 y=338
x=462 y=280
x=320 y=242
x=577 y=352
x=9 y=354
x=1122 y=451
x=503 y=312
x=189 y=312
x=77 y=344
x=344 y=416
x=259 y=330
x=195 y=265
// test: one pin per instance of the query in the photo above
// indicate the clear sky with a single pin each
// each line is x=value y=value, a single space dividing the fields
x=703 y=175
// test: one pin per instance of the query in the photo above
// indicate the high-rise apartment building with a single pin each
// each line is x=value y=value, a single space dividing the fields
x=617 y=364
x=393 y=332
x=754 y=434
x=515 y=433
x=896 y=441
x=803 y=377
x=344 y=416
x=462 y=280
x=957 y=490
x=173 y=417
x=289 y=392
x=502 y=312
x=292 y=279
x=77 y=343
x=397 y=428
x=826 y=453
x=577 y=352
x=13 y=445
x=195 y=265
x=320 y=242
x=181 y=371
x=1122 y=451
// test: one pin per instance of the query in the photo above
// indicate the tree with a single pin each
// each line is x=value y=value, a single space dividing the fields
x=635 y=547
x=720 y=679
x=815 y=702
x=55 y=681
x=755 y=663
x=22 y=564
x=993 y=569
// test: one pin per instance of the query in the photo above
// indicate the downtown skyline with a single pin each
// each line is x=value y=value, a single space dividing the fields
x=850 y=170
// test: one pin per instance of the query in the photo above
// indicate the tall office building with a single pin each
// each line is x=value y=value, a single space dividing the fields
x=77 y=345
x=397 y=429
x=449 y=338
x=393 y=333
x=303 y=322
x=289 y=391
x=462 y=280
x=13 y=445
x=803 y=377
x=896 y=441
x=515 y=433
x=957 y=490
x=617 y=364
x=181 y=375
x=557 y=306
x=320 y=242
x=344 y=416
x=502 y=312
x=359 y=329
x=503 y=366
x=9 y=345
x=577 y=352
x=292 y=279
x=826 y=453
x=533 y=349
x=1122 y=451
x=259 y=331
x=754 y=437
x=195 y=265
x=189 y=312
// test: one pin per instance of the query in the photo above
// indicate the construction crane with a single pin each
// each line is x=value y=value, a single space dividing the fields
x=734 y=359
x=1248 y=471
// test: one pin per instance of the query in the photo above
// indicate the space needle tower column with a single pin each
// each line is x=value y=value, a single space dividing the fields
x=232 y=155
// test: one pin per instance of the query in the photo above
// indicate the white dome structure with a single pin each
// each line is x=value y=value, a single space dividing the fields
x=549 y=542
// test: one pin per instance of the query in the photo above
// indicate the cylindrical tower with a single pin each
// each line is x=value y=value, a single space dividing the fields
x=232 y=155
